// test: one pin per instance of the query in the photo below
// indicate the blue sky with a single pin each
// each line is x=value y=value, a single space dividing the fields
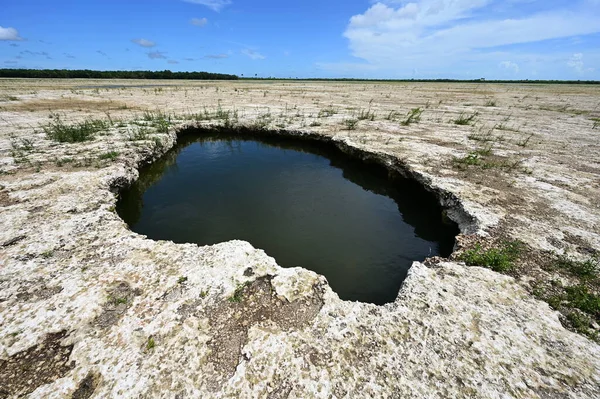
x=510 y=39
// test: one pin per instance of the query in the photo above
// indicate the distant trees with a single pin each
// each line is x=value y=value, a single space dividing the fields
x=89 y=74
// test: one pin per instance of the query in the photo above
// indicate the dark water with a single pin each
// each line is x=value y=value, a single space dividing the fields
x=305 y=204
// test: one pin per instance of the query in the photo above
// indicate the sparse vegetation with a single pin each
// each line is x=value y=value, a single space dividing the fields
x=150 y=344
x=57 y=130
x=237 y=294
x=327 y=112
x=500 y=259
x=414 y=116
x=110 y=155
x=464 y=119
x=366 y=114
x=350 y=124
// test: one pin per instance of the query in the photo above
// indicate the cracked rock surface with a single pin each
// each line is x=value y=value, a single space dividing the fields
x=89 y=309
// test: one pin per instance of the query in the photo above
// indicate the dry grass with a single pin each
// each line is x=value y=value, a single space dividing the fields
x=66 y=103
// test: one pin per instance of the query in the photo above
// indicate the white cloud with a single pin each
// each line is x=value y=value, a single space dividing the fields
x=253 y=54
x=439 y=35
x=215 y=5
x=9 y=34
x=510 y=66
x=199 y=22
x=576 y=62
x=156 y=55
x=144 y=42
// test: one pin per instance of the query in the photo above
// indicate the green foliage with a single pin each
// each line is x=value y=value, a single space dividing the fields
x=150 y=344
x=581 y=298
x=57 y=130
x=465 y=120
x=498 y=259
x=89 y=74
x=414 y=116
x=350 y=124
x=139 y=133
x=182 y=279
x=596 y=122
x=237 y=294
x=111 y=155
x=491 y=103
x=584 y=269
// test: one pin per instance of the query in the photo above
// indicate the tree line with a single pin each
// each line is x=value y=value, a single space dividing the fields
x=90 y=74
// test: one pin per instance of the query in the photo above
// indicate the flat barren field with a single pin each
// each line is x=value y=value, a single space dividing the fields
x=90 y=309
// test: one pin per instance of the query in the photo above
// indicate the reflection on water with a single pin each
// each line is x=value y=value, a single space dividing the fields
x=305 y=204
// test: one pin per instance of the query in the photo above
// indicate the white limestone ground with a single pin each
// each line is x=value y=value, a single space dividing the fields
x=90 y=309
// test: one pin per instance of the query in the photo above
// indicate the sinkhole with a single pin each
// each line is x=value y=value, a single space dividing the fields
x=305 y=202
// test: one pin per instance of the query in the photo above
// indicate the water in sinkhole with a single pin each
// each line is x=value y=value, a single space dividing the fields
x=306 y=204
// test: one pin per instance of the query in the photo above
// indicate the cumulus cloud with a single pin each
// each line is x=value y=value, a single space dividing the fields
x=157 y=55
x=253 y=54
x=201 y=22
x=143 y=42
x=215 y=5
x=511 y=66
x=9 y=34
x=436 y=34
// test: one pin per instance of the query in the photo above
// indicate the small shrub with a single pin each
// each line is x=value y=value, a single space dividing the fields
x=491 y=103
x=498 y=259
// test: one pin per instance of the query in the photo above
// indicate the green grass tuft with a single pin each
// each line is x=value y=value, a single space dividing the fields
x=57 y=130
x=498 y=259
x=465 y=120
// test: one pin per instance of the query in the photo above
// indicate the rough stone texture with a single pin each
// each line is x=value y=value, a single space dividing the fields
x=81 y=290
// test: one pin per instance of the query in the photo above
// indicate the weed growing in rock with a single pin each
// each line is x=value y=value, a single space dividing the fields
x=57 y=130
x=498 y=259
x=584 y=269
x=414 y=116
x=366 y=115
x=150 y=344
x=350 y=124
x=465 y=120
x=237 y=294
x=111 y=155
x=327 y=112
